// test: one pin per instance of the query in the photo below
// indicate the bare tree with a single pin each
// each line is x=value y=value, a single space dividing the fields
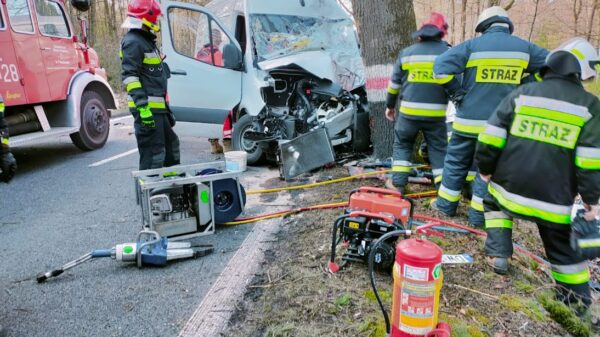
x=592 y=17
x=384 y=28
x=453 y=27
x=463 y=19
x=535 y=12
x=577 y=7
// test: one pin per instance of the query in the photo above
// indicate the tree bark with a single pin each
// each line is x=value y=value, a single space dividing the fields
x=453 y=27
x=535 y=12
x=384 y=28
x=463 y=19
x=577 y=6
x=592 y=17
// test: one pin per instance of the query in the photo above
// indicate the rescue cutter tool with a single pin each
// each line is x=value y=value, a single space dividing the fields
x=150 y=249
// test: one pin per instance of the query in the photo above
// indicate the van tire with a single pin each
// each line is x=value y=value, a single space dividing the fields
x=95 y=122
x=244 y=124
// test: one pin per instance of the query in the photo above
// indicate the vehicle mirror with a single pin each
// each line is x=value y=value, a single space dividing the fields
x=81 y=5
x=232 y=56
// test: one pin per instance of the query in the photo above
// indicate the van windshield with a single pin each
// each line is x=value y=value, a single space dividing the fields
x=280 y=35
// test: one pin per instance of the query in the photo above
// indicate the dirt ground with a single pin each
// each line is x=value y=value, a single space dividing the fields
x=296 y=295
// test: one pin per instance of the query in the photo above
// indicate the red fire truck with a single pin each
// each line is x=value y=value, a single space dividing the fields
x=51 y=81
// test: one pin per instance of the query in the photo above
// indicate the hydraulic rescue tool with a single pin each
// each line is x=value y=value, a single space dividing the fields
x=371 y=213
x=187 y=201
x=150 y=249
x=585 y=236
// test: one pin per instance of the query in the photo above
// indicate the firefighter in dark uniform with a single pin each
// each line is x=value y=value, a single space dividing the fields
x=492 y=66
x=8 y=164
x=145 y=77
x=540 y=149
x=423 y=101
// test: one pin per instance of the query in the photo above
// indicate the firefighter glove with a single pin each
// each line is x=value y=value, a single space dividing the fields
x=146 y=117
x=585 y=236
x=8 y=167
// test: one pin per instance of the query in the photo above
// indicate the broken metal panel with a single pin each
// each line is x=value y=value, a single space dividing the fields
x=304 y=153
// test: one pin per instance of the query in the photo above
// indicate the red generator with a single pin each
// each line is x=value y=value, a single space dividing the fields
x=371 y=213
x=51 y=81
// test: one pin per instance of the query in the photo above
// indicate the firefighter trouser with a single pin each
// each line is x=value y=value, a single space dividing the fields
x=159 y=146
x=467 y=189
x=569 y=271
x=459 y=161
x=405 y=134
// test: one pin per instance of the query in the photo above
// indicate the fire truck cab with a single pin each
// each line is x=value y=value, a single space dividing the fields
x=51 y=82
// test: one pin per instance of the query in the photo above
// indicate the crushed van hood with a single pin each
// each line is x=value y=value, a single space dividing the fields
x=345 y=70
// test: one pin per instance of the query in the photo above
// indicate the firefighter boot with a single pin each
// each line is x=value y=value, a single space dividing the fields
x=215 y=147
x=499 y=264
x=227 y=145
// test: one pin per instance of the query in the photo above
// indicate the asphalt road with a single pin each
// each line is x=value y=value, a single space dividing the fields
x=59 y=208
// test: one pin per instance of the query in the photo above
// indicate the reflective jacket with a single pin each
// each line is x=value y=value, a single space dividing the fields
x=4 y=144
x=422 y=96
x=493 y=65
x=143 y=72
x=542 y=148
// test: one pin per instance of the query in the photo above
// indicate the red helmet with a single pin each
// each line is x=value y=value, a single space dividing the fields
x=439 y=21
x=146 y=10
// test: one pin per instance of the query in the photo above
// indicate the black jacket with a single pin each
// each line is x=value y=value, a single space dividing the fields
x=144 y=74
x=542 y=148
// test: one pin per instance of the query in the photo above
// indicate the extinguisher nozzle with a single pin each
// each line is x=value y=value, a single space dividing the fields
x=333 y=267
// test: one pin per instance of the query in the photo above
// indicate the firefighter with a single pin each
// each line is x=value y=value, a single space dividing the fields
x=145 y=77
x=492 y=66
x=8 y=164
x=423 y=101
x=540 y=149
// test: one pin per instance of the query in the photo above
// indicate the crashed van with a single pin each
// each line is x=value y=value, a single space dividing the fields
x=285 y=68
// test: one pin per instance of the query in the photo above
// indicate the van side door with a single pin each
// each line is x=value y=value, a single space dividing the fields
x=205 y=63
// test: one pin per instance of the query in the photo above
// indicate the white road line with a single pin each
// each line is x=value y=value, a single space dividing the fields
x=107 y=160
x=121 y=118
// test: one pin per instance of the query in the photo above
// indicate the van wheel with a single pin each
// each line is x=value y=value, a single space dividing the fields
x=95 y=123
x=240 y=128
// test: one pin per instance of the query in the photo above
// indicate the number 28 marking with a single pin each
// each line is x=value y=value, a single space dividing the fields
x=9 y=73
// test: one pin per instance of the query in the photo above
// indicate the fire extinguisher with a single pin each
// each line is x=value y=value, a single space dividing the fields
x=417 y=283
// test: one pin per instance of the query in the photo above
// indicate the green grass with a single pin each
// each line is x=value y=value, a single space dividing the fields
x=593 y=87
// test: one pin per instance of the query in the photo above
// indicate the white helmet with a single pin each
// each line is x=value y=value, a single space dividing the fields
x=491 y=15
x=586 y=54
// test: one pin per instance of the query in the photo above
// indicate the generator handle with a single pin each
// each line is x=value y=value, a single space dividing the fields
x=387 y=218
x=378 y=190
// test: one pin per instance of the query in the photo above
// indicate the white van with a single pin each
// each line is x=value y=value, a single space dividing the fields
x=284 y=67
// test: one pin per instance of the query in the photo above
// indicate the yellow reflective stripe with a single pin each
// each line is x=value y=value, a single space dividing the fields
x=1 y=107
x=499 y=74
x=555 y=115
x=417 y=65
x=152 y=60
x=498 y=62
x=477 y=204
x=587 y=163
x=121 y=54
x=157 y=105
x=498 y=223
x=545 y=130
x=578 y=53
x=422 y=112
x=470 y=178
x=474 y=129
x=131 y=104
x=538 y=77
x=576 y=278
x=393 y=91
x=5 y=141
x=145 y=113
x=134 y=85
x=448 y=194
x=404 y=169
x=588 y=243
x=494 y=141
x=437 y=179
x=515 y=207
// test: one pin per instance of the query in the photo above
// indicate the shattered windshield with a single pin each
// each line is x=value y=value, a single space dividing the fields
x=281 y=35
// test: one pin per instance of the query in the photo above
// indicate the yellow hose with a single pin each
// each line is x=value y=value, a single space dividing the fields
x=283 y=213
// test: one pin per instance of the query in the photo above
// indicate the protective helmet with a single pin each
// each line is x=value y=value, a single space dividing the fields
x=435 y=26
x=489 y=16
x=575 y=56
x=148 y=11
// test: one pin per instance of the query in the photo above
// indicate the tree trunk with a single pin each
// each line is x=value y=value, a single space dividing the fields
x=453 y=27
x=384 y=28
x=592 y=17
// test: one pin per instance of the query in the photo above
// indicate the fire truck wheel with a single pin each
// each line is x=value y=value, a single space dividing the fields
x=240 y=143
x=95 y=123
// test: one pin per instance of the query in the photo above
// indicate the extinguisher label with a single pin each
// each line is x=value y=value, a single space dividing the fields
x=417 y=299
x=416 y=273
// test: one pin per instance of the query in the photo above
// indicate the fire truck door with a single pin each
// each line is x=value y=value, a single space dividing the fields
x=10 y=78
x=57 y=46
x=27 y=51
x=206 y=79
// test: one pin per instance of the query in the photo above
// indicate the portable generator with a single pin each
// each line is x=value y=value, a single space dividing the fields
x=181 y=202
x=371 y=213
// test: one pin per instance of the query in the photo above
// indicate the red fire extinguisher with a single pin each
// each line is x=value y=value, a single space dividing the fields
x=417 y=284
